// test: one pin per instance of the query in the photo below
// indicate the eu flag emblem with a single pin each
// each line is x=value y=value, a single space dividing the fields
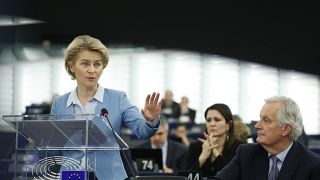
x=73 y=175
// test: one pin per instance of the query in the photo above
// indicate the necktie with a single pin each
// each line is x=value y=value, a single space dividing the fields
x=273 y=174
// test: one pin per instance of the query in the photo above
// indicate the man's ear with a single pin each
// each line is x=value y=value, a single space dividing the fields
x=286 y=130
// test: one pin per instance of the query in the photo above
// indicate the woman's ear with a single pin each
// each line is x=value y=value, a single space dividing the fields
x=71 y=67
x=229 y=125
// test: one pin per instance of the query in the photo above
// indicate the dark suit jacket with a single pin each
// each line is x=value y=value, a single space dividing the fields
x=303 y=139
x=176 y=154
x=251 y=163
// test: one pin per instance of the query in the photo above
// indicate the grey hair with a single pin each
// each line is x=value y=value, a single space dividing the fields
x=289 y=113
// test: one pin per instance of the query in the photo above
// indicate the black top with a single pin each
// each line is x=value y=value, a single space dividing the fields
x=210 y=168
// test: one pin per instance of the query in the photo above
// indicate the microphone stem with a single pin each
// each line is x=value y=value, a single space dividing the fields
x=122 y=151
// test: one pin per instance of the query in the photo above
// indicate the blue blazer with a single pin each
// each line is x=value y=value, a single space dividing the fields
x=121 y=113
x=251 y=163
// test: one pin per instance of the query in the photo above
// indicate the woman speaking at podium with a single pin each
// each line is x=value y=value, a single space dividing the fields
x=86 y=58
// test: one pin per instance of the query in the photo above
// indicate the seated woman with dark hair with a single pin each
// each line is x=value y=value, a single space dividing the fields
x=219 y=144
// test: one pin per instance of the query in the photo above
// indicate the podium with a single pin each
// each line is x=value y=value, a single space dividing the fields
x=51 y=146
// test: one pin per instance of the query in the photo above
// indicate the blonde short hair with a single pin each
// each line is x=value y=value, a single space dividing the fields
x=84 y=42
x=241 y=131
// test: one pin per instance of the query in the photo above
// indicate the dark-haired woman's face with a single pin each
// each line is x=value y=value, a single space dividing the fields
x=216 y=124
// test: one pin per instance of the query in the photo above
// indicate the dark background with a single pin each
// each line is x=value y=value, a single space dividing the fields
x=282 y=35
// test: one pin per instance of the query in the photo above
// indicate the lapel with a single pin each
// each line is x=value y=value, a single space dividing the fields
x=98 y=108
x=261 y=164
x=148 y=144
x=169 y=154
x=104 y=103
x=103 y=122
x=291 y=162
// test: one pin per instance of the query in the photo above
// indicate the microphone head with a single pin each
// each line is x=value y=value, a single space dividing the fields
x=104 y=112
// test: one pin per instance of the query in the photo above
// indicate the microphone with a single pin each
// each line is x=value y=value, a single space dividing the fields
x=105 y=113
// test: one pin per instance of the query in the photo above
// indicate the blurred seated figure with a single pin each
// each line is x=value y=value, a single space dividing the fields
x=241 y=130
x=170 y=109
x=173 y=153
x=187 y=115
x=181 y=134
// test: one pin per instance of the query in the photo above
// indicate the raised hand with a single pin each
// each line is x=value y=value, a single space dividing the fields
x=152 y=106
x=207 y=144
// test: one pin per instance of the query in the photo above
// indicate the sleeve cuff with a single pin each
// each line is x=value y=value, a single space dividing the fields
x=154 y=124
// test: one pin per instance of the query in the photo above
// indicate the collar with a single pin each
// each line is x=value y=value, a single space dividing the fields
x=281 y=156
x=74 y=99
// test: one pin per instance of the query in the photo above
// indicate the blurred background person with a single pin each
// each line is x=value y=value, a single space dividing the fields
x=181 y=134
x=86 y=58
x=170 y=108
x=187 y=115
x=219 y=144
x=241 y=130
x=173 y=153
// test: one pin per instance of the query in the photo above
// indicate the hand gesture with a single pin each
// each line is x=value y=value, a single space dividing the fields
x=152 y=107
x=207 y=145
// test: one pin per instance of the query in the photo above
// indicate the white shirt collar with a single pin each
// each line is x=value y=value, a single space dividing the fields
x=74 y=99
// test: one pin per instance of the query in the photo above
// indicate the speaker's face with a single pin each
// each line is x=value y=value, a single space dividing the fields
x=88 y=68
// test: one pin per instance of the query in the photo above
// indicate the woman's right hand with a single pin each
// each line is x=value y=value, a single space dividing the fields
x=207 y=146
